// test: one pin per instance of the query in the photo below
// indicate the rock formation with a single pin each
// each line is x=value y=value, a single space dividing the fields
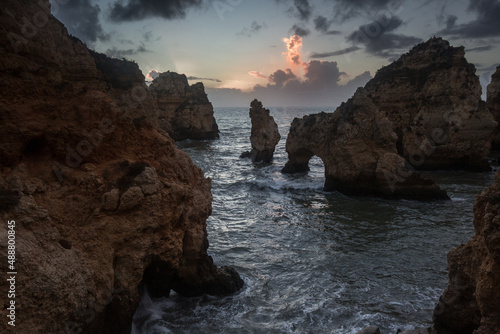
x=104 y=203
x=426 y=107
x=471 y=302
x=358 y=147
x=493 y=103
x=264 y=134
x=432 y=96
x=184 y=111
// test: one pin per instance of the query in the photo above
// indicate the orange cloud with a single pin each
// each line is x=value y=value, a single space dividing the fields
x=258 y=74
x=294 y=50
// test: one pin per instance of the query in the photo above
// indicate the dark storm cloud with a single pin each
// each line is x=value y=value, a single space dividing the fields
x=81 y=18
x=347 y=9
x=480 y=48
x=135 y=10
x=124 y=53
x=322 y=24
x=255 y=27
x=486 y=23
x=303 y=9
x=378 y=40
x=203 y=79
x=281 y=77
x=300 y=30
x=334 y=53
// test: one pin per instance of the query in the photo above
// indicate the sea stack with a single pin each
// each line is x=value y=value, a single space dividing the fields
x=264 y=135
x=471 y=302
x=100 y=200
x=493 y=103
x=184 y=111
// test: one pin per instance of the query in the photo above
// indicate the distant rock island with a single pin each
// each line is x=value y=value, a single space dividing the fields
x=422 y=112
x=184 y=111
x=264 y=134
x=105 y=205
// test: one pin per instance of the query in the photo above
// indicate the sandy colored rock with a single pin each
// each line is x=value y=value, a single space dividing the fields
x=493 y=103
x=264 y=134
x=70 y=145
x=184 y=111
x=471 y=301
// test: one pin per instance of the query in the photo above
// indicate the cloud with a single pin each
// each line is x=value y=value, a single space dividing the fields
x=203 y=79
x=123 y=53
x=254 y=28
x=300 y=30
x=486 y=23
x=303 y=9
x=258 y=74
x=334 y=53
x=135 y=10
x=280 y=77
x=294 y=50
x=348 y=9
x=81 y=18
x=378 y=40
x=153 y=74
x=481 y=48
x=322 y=24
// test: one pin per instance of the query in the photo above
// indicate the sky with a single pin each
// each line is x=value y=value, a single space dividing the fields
x=307 y=53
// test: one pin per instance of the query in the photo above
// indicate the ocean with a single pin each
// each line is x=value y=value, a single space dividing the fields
x=314 y=261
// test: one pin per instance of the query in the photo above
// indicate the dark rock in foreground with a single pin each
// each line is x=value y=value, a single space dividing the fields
x=104 y=203
x=471 y=302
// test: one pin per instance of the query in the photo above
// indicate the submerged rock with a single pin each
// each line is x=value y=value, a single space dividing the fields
x=264 y=135
x=471 y=301
x=493 y=103
x=184 y=111
x=104 y=203
x=358 y=147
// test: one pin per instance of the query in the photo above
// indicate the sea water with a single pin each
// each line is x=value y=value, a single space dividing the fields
x=313 y=261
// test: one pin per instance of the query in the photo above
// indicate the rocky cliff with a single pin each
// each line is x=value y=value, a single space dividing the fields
x=432 y=96
x=493 y=103
x=471 y=302
x=104 y=204
x=264 y=134
x=358 y=147
x=425 y=108
x=184 y=111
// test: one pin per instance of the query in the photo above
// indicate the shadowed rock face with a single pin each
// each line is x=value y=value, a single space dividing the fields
x=358 y=148
x=265 y=135
x=425 y=108
x=471 y=302
x=184 y=111
x=104 y=203
x=493 y=103
x=432 y=96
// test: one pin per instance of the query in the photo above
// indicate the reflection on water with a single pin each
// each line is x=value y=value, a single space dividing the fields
x=314 y=262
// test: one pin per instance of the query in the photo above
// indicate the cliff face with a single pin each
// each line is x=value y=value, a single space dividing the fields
x=426 y=107
x=104 y=204
x=433 y=98
x=493 y=103
x=358 y=148
x=264 y=135
x=184 y=111
x=471 y=302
